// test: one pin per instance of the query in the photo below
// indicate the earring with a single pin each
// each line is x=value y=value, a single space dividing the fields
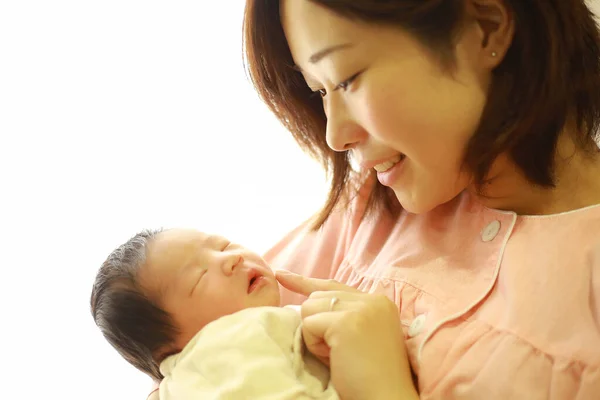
x=494 y=54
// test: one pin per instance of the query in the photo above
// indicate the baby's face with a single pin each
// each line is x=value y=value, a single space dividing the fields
x=200 y=277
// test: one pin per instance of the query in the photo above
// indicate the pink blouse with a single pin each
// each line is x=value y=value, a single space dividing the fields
x=494 y=305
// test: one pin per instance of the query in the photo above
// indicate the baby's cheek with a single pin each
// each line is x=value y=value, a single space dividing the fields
x=273 y=299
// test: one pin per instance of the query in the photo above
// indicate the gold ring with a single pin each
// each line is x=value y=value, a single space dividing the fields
x=333 y=302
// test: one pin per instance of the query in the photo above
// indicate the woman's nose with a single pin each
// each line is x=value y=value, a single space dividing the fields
x=343 y=133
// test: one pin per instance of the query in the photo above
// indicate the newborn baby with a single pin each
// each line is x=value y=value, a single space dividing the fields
x=202 y=314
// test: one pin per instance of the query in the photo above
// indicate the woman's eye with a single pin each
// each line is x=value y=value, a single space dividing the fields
x=344 y=85
x=320 y=92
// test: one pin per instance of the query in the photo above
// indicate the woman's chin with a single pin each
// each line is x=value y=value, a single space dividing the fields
x=421 y=202
x=409 y=202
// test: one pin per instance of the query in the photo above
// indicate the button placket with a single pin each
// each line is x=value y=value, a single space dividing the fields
x=417 y=325
x=490 y=232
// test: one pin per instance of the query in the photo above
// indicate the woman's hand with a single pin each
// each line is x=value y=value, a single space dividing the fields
x=358 y=335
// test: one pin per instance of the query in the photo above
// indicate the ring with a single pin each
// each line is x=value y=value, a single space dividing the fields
x=333 y=302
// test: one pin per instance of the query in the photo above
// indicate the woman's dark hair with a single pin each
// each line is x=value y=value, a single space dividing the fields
x=549 y=76
x=132 y=323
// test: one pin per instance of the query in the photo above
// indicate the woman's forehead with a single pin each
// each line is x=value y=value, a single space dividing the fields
x=315 y=35
x=311 y=28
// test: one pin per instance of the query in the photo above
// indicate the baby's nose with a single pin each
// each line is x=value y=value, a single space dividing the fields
x=231 y=262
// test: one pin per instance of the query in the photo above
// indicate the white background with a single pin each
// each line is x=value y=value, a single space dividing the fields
x=117 y=116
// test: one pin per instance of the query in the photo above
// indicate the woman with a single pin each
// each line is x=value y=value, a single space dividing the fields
x=479 y=120
x=471 y=228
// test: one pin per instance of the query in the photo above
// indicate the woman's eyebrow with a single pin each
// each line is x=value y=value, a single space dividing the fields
x=321 y=54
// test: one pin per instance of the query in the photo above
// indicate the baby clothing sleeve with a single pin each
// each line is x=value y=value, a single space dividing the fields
x=253 y=354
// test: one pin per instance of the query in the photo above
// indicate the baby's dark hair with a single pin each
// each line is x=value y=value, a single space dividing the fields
x=135 y=325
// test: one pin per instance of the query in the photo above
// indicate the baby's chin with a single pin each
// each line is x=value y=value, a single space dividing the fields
x=271 y=300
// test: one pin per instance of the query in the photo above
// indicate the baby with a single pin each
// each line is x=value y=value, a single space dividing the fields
x=203 y=315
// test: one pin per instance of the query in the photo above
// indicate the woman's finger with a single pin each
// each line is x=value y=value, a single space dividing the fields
x=314 y=332
x=322 y=302
x=303 y=285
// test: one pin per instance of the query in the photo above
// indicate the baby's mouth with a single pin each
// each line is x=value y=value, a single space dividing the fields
x=254 y=280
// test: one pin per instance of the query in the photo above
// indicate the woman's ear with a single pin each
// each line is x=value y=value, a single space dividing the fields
x=496 y=26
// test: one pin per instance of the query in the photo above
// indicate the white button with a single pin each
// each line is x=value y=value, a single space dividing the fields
x=417 y=325
x=489 y=232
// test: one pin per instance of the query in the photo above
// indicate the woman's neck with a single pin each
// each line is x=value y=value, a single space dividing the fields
x=577 y=184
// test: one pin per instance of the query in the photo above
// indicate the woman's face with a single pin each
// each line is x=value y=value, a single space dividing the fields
x=390 y=102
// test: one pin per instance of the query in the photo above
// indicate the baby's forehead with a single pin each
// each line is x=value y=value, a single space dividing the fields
x=180 y=237
x=181 y=243
x=170 y=252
